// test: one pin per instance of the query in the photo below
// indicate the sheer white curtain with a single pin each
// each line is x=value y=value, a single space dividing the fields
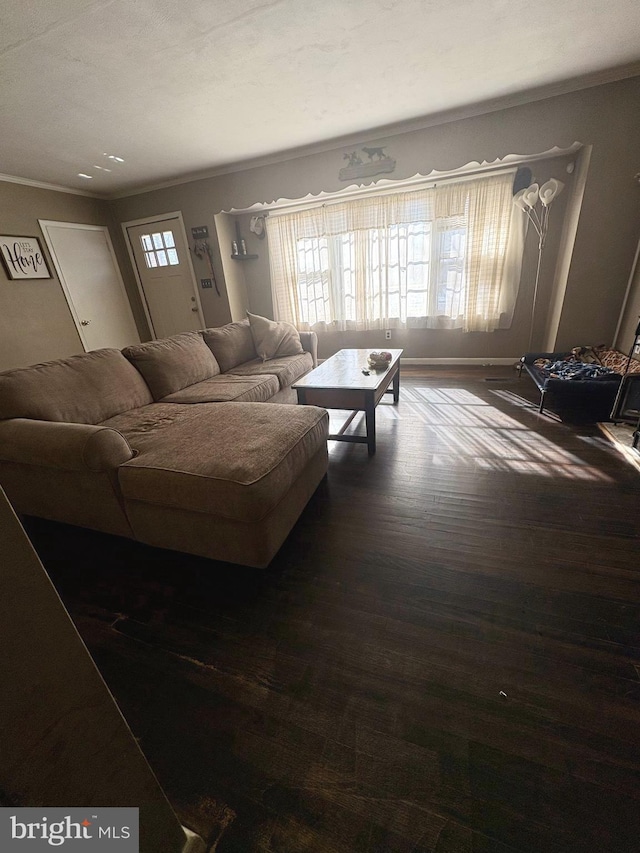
x=447 y=256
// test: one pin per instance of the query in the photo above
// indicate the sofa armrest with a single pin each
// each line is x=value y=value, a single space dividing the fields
x=74 y=447
x=309 y=341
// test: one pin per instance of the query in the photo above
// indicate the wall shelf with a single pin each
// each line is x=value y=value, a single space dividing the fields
x=243 y=257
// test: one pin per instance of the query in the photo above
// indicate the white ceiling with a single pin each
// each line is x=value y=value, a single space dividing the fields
x=180 y=88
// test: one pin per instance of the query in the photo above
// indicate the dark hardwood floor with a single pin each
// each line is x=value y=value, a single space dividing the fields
x=444 y=656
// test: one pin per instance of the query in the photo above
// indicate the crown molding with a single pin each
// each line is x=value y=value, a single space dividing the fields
x=385 y=132
x=42 y=185
x=377 y=134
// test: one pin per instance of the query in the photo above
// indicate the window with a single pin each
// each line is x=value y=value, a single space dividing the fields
x=446 y=256
x=159 y=249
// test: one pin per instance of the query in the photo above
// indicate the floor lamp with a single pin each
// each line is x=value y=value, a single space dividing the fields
x=527 y=200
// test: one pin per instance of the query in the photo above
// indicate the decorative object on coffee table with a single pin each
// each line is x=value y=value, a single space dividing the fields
x=379 y=360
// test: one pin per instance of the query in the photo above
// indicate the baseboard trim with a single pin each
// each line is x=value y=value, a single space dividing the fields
x=444 y=362
x=480 y=362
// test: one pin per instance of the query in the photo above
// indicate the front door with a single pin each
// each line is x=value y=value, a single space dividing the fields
x=161 y=257
x=90 y=277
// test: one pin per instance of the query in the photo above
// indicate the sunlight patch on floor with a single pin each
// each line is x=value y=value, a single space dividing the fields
x=459 y=428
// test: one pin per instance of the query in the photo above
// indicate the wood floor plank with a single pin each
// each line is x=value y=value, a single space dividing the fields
x=444 y=657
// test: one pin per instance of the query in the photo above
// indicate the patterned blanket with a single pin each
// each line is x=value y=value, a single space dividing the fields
x=581 y=363
x=574 y=370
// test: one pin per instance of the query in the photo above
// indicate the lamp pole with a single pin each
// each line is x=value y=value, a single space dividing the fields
x=527 y=200
x=535 y=291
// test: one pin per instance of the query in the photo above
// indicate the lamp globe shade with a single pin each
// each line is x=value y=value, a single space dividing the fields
x=519 y=201
x=550 y=190
x=530 y=196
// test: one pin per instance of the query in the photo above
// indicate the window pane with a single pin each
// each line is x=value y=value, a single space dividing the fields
x=168 y=239
x=150 y=258
x=162 y=258
x=173 y=257
x=404 y=261
x=147 y=245
x=157 y=240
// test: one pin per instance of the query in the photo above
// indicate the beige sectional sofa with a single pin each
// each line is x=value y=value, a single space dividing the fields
x=185 y=443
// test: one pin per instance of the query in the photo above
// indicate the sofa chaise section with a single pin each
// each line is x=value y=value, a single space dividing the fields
x=225 y=480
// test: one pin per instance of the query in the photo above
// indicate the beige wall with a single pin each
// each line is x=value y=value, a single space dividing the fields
x=604 y=117
x=63 y=740
x=233 y=271
x=35 y=321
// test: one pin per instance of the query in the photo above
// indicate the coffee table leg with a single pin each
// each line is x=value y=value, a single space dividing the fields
x=396 y=386
x=370 y=421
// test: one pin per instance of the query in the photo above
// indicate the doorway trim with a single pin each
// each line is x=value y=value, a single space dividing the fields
x=44 y=223
x=147 y=220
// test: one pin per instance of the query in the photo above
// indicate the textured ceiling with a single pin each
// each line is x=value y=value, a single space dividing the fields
x=181 y=88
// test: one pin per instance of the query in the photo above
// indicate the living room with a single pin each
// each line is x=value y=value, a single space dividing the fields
x=601 y=119
x=443 y=653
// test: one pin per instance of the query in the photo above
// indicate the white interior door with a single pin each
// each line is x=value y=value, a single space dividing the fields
x=90 y=277
x=161 y=256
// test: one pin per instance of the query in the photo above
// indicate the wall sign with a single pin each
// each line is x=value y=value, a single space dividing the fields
x=377 y=163
x=23 y=257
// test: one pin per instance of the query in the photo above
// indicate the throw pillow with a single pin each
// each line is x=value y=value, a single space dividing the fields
x=174 y=363
x=272 y=339
x=231 y=344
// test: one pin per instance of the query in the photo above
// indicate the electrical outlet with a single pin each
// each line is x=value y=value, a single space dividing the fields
x=387 y=335
x=205 y=282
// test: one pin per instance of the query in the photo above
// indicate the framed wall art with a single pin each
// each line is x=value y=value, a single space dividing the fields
x=23 y=258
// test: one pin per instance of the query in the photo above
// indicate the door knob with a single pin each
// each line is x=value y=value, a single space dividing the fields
x=84 y=322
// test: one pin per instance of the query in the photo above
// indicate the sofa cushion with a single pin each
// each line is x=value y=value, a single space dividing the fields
x=288 y=369
x=273 y=339
x=231 y=344
x=236 y=460
x=224 y=388
x=171 y=364
x=85 y=388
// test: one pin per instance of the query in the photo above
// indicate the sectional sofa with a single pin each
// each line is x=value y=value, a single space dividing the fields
x=186 y=443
